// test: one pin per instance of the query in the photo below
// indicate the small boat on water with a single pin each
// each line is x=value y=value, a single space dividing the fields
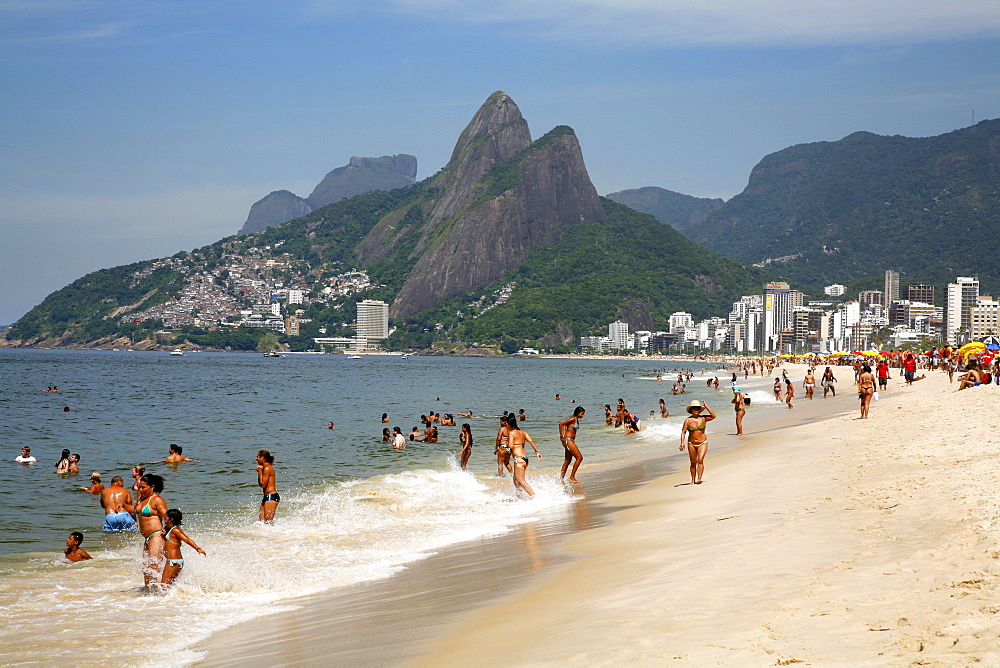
x=354 y=357
x=272 y=354
x=178 y=352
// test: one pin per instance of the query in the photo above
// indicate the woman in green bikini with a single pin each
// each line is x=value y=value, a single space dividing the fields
x=694 y=438
x=151 y=510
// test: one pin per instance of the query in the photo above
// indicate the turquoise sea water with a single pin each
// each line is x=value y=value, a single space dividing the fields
x=352 y=510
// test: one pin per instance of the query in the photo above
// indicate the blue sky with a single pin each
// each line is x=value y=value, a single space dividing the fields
x=132 y=130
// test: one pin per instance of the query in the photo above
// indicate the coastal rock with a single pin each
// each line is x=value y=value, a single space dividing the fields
x=278 y=207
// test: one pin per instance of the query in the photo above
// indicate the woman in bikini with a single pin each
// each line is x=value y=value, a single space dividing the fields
x=517 y=439
x=151 y=510
x=740 y=409
x=62 y=466
x=866 y=389
x=693 y=437
x=777 y=389
x=609 y=417
x=502 y=450
x=567 y=434
x=465 y=438
x=663 y=409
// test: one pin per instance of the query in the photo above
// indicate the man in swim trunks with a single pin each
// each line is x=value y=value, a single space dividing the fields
x=268 y=484
x=567 y=434
x=809 y=383
x=113 y=500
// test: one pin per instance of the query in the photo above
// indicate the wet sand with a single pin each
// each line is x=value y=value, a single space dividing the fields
x=401 y=619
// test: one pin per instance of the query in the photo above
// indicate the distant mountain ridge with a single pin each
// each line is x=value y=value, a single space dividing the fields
x=359 y=176
x=928 y=207
x=682 y=212
x=506 y=216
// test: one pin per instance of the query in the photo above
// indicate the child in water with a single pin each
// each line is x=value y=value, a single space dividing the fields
x=172 y=539
x=73 y=550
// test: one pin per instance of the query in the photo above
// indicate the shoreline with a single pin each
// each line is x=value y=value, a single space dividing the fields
x=349 y=622
x=851 y=544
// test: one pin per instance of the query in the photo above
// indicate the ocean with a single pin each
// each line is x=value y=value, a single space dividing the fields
x=353 y=510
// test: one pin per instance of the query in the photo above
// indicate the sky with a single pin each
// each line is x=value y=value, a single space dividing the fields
x=132 y=130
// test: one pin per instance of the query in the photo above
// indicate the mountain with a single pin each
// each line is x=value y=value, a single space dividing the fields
x=682 y=212
x=835 y=211
x=363 y=175
x=359 y=176
x=275 y=209
x=508 y=241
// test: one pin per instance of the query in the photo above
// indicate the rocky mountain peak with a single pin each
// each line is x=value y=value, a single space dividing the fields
x=496 y=132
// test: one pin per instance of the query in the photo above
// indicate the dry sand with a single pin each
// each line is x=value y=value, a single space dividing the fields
x=846 y=541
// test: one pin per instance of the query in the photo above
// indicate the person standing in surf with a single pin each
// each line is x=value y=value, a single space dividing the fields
x=151 y=510
x=693 y=437
x=517 y=440
x=502 y=449
x=567 y=434
x=465 y=438
x=268 y=485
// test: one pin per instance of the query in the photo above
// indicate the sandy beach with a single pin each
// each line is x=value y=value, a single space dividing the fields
x=832 y=541
x=846 y=541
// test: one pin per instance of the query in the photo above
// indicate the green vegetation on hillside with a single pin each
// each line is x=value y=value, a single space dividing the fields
x=601 y=270
x=927 y=207
x=82 y=311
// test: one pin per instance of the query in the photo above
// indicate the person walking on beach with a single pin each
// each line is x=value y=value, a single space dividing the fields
x=114 y=500
x=502 y=449
x=268 y=484
x=777 y=389
x=517 y=440
x=694 y=438
x=789 y=393
x=151 y=510
x=809 y=383
x=738 y=401
x=465 y=438
x=866 y=389
x=567 y=435
x=882 y=371
x=172 y=540
x=827 y=382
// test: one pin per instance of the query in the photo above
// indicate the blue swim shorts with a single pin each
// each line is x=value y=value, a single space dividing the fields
x=122 y=521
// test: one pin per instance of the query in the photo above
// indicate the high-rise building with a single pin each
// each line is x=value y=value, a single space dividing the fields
x=873 y=297
x=373 y=320
x=777 y=312
x=918 y=292
x=983 y=319
x=891 y=289
x=959 y=298
x=680 y=320
x=618 y=333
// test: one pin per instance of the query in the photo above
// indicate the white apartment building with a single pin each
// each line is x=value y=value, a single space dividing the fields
x=680 y=320
x=373 y=319
x=959 y=298
x=983 y=319
x=618 y=333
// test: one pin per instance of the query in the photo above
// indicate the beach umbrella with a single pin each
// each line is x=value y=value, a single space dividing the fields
x=973 y=347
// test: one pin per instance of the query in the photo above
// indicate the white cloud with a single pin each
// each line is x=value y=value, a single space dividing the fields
x=723 y=22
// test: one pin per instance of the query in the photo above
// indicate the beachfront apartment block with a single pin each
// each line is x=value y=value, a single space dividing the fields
x=373 y=319
x=959 y=298
x=983 y=318
x=618 y=333
x=891 y=287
